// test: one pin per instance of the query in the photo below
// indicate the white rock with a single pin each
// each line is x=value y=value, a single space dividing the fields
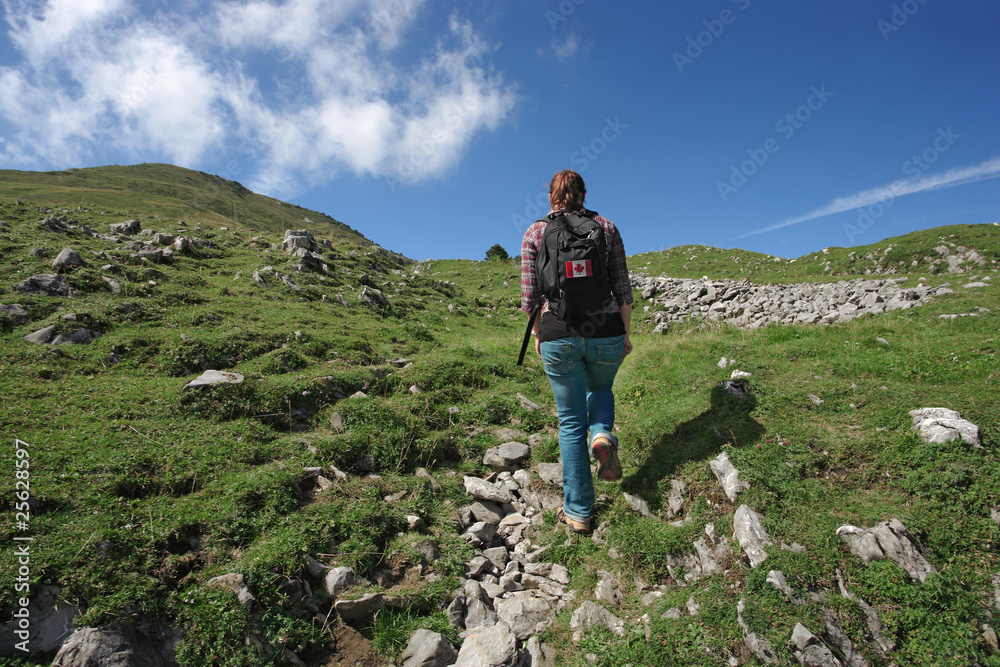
x=214 y=377
x=748 y=531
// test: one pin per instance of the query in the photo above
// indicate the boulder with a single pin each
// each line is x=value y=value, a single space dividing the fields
x=113 y=284
x=15 y=312
x=429 y=552
x=428 y=649
x=539 y=654
x=42 y=336
x=66 y=260
x=360 y=609
x=942 y=425
x=51 y=623
x=477 y=610
x=525 y=612
x=490 y=646
x=298 y=238
x=373 y=297
x=116 y=646
x=150 y=253
x=484 y=510
x=483 y=490
x=81 y=336
x=777 y=579
x=507 y=455
x=710 y=552
x=900 y=546
x=127 y=228
x=46 y=284
x=420 y=472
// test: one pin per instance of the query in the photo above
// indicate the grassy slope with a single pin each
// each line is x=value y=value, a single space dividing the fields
x=144 y=492
x=169 y=192
x=890 y=256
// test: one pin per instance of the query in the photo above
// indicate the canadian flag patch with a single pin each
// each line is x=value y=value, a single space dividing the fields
x=579 y=269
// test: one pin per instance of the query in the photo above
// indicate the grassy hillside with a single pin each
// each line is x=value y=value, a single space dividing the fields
x=169 y=193
x=142 y=492
x=924 y=252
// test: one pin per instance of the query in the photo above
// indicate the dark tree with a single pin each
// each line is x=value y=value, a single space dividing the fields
x=497 y=253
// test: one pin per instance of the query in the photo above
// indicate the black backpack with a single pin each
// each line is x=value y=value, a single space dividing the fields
x=571 y=268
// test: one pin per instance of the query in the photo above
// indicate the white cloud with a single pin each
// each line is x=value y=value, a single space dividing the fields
x=889 y=191
x=567 y=47
x=334 y=92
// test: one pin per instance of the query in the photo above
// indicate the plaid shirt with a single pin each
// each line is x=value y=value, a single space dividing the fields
x=617 y=268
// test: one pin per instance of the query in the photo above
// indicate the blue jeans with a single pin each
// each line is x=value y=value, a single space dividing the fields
x=582 y=371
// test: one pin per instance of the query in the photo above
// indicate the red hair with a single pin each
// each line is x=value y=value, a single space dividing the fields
x=567 y=191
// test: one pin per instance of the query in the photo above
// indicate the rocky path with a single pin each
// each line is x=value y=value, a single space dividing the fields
x=512 y=591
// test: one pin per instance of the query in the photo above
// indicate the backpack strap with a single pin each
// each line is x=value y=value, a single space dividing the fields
x=527 y=334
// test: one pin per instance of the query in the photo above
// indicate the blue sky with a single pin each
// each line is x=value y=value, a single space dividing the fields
x=432 y=126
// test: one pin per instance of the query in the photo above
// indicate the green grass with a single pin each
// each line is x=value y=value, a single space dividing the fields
x=167 y=192
x=913 y=253
x=143 y=492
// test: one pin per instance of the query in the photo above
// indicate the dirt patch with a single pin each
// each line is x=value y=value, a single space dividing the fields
x=351 y=649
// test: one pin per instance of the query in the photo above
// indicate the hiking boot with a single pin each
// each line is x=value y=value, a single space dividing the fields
x=576 y=526
x=605 y=451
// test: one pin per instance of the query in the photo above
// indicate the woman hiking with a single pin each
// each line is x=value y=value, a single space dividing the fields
x=582 y=336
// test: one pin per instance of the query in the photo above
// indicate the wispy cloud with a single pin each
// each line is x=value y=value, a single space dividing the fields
x=889 y=191
x=294 y=90
x=567 y=46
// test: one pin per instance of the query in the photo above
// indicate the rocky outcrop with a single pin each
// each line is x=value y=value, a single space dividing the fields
x=889 y=539
x=428 y=649
x=125 y=645
x=298 y=238
x=373 y=297
x=941 y=425
x=15 y=311
x=46 y=284
x=50 y=335
x=748 y=305
x=66 y=260
x=728 y=476
x=127 y=228
x=750 y=533
x=51 y=623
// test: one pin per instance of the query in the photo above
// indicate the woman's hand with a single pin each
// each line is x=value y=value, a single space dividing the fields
x=538 y=347
x=627 y=349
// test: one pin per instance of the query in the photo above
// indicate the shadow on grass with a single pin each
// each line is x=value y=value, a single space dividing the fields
x=728 y=420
